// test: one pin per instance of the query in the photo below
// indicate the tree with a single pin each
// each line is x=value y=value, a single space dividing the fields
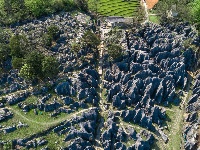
x=27 y=72
x=34 y=62
x=94 y=7
x=47 y=40
x=90 y=40
x=82 y=5
x=4 y=53
x=53 y=31
x=114 y=36
x=182 y=8
x=17 y=63
x=19 y=46
x=138 y=16
x=114 y=51
x=50 y=67
x=15 y=10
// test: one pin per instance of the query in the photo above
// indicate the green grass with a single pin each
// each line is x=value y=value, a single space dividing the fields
x=36 y=123
x=154 y=19
x=23 y=132
x=174 y=123
x=55 y=141
x=115 y=7
x=31 y=99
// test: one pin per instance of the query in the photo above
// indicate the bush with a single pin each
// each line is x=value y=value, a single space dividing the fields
x=114 y=51
x=47 y=40
x=27 y=72
x=17 y=63
x=4 y=52
x=53 y=31
x=19 y=46
x=34 y=60
x=50 y=67
x=37 y=65
x=17 y=10
x=90 y=39
x=75 y=47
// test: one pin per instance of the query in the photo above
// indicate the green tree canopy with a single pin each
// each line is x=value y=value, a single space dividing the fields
x=53 y=31
x=27 y=72
x=50 y=67
x=4 y=52
x=34 y=60
x=36 y=65
x=90 y=39
x=19 y=46
x=114 y=51
x=82 y=5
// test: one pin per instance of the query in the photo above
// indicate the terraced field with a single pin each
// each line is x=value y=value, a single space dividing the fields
x=116 y=7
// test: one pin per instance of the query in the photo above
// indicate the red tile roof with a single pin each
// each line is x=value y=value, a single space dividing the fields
x=151 y=3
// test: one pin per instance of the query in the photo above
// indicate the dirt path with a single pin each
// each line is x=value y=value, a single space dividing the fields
x=48 y=123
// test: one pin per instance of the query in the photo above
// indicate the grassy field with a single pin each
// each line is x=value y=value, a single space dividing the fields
x=115 y=7
x=154 y=19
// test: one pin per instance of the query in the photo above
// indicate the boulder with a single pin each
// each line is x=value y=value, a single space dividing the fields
x=193 y=99
x=67 y=100
x=117 y=102
x=141 y=145
x=119 y=146
x=65 y=89
x=190 y=145
x=192 y=117
x=42 y=142
x=9 y=129
x=113 y=91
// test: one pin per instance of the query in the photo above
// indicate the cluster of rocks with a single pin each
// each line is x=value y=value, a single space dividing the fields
x=148 y=74
x=81 y=87
x=71 y=29
x=143 y=118
x=5 y=114
x=28 y=144
x=16 y=98
x=80 y=131
x=191 y=129
x=12 y=128
x=82 y=137
x=115 y=135
x=11 y=82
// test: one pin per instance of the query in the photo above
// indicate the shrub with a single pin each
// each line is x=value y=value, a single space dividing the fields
x=90 y=39
x=34 y=60
x=19 y=46
x=47 y=40
x=114 y=51
x=75 y=47
x=17 y=63
x=53 y=31
x=50 y=67
x=27 y=72
x=4 y=52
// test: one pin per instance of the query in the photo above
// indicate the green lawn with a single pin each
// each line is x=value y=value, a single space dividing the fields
x=115 y=7
x=154 y=19
x=36 y=123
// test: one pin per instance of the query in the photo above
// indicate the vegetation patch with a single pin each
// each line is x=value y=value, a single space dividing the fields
x=115 y=7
